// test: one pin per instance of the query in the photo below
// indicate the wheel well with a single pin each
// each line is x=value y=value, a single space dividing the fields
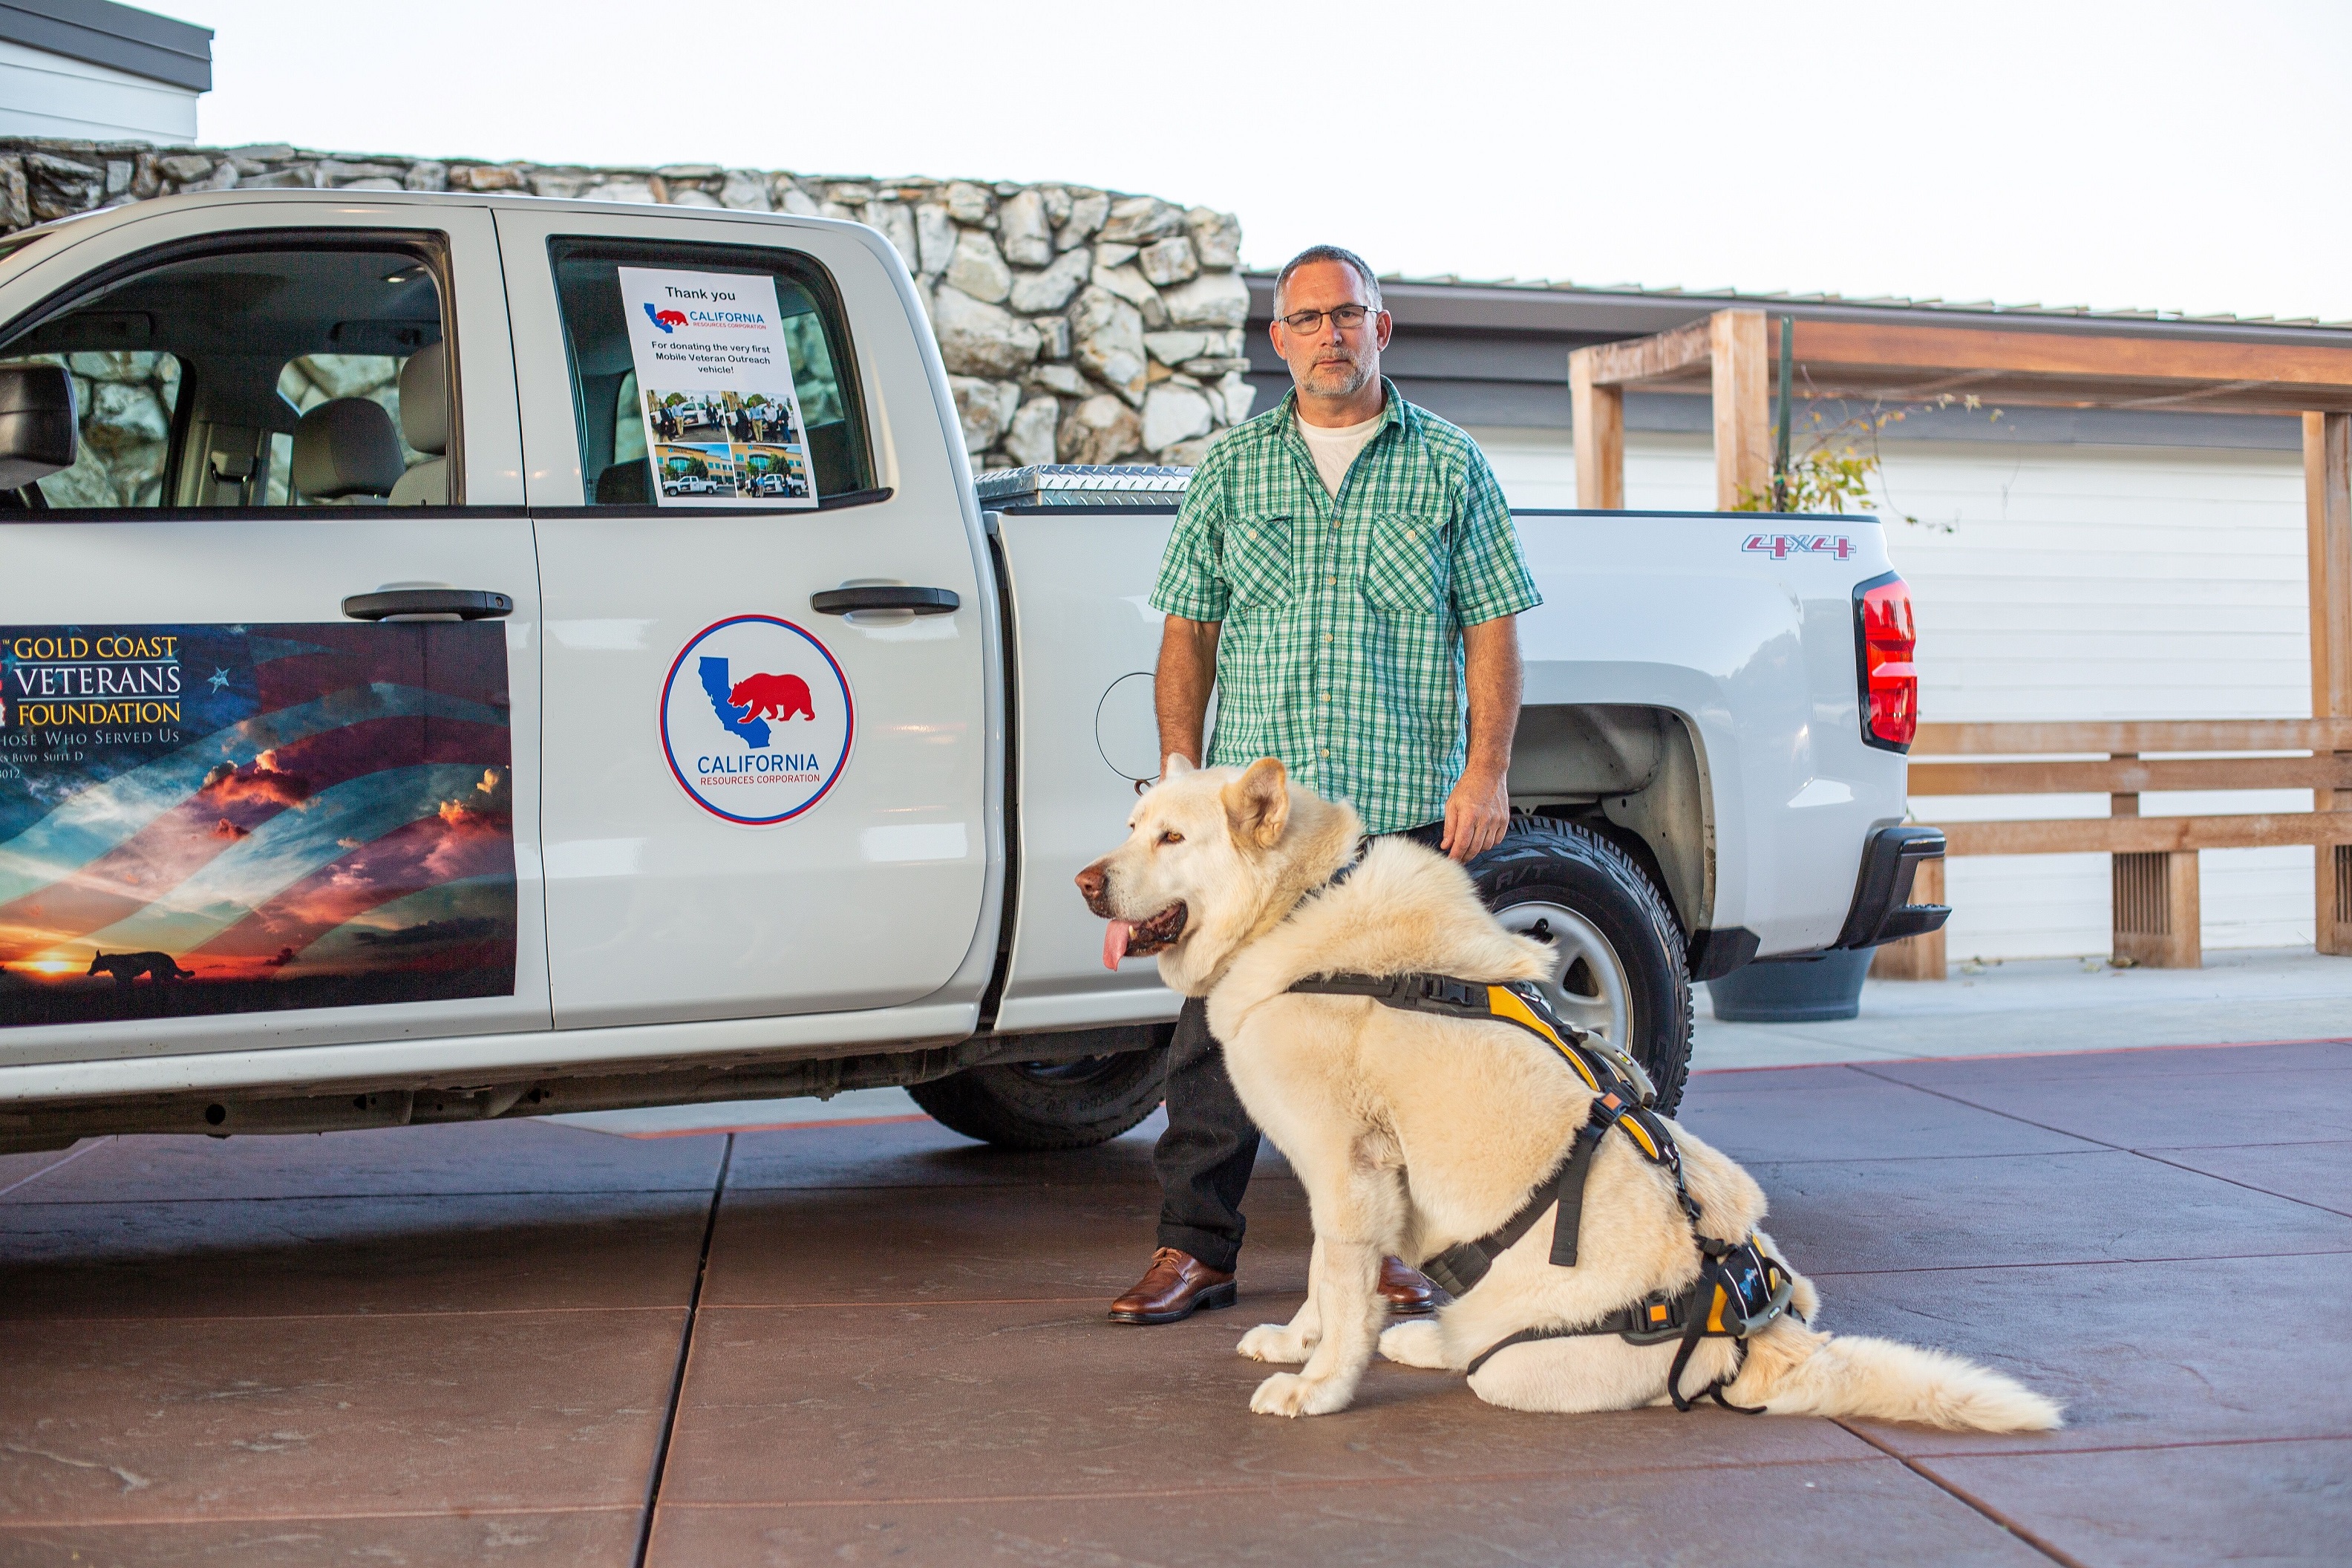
x=1634 y=775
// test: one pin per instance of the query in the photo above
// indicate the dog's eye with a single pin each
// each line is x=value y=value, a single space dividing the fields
x=1172 y=837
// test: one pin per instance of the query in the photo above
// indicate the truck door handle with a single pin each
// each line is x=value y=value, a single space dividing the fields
x=922 y=601
x=466 y=604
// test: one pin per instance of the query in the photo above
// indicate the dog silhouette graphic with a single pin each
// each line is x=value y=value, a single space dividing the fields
x=127 y=967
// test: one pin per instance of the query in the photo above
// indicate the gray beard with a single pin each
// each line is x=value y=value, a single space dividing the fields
x=1360 y=375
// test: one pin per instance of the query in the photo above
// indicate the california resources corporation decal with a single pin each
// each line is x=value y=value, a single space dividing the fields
x=756 y=719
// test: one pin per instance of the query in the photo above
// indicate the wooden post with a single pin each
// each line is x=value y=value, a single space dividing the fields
x=1740 y=359
x=1599 y=415
x=2327 y=511
x=1915 y=957
x=2156 y=917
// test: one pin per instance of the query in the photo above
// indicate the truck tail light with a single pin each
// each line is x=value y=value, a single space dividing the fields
x=1885 y=638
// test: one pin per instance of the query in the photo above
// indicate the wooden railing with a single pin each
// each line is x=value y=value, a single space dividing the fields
x=2155 y=909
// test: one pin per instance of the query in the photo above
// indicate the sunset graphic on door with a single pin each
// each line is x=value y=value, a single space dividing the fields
x=219 y=819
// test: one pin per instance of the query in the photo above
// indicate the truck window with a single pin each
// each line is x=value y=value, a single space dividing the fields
x=252 y=377
x=612 y=411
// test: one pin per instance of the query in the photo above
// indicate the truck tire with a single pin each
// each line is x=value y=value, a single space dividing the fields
x=1047 y=1105
x=1621 y=970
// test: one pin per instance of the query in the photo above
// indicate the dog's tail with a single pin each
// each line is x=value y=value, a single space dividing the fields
x=1795 y=1370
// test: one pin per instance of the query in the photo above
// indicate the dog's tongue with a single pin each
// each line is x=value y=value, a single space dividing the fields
x=1115 y=943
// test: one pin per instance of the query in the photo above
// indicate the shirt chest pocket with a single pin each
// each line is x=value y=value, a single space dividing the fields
x=1409 y=568
x=1257 y=561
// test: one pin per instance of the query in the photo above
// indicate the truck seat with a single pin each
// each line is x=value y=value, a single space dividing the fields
x=344 y=450
x=424 y=421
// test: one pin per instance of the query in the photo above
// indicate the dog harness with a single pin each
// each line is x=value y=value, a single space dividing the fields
x=1741 y=1287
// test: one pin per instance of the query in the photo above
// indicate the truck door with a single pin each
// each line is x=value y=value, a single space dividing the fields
x=768 y=690
x=245 y=798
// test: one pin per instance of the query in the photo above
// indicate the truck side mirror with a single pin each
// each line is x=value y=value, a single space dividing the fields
x=37 y=423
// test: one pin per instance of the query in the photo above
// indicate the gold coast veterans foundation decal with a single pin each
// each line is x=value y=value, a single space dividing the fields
x=106 y=680
x=757 y=719
x=246 y=818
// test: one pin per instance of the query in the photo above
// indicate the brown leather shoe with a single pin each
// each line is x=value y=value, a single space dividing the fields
x=1407 y=1291
x=1176 y=1286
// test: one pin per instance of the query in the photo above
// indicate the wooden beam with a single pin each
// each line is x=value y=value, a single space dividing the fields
x=1743 y=410
x=1651 y=358
x=2074 y=370
x=1831 y=344
x=2144 y=834
x=1598 y=412
x=2137 y=777
x=2156 y=921
x=2327 y=515
x=2123 y=802
x=2327 y=512
x=2002 y=389
x=2106 y=737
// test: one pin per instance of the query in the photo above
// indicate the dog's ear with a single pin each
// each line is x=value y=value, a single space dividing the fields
x=1257 y=804
x=1176 y=765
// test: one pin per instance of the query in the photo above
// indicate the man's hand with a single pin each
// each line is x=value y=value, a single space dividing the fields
x=1477 y=814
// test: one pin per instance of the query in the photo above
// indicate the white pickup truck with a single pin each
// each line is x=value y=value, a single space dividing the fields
x=384 y=740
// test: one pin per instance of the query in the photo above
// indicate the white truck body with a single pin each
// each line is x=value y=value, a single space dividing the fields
x=1690 y=678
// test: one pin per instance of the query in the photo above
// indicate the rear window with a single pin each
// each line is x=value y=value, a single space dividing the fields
x=710 y=445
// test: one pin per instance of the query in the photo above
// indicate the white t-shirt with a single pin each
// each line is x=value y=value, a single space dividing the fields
x=1335 y=448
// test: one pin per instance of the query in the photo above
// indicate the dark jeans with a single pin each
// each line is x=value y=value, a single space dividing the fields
x=1204 y=1157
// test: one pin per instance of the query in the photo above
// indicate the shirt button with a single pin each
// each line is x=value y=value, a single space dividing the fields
x=1334 y=582
x=1327 y=636
x=1326 y=751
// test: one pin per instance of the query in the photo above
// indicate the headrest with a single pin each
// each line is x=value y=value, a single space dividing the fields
x=346 y=447
x=424 y=398
x=624 y=484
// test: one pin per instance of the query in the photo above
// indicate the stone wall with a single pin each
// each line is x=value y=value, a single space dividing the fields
x=1078 y=325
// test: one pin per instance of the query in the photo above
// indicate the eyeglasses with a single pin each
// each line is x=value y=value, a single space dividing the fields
x=1347 y=318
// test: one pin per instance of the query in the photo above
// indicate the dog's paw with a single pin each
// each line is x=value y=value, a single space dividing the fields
x=1415 y=1343
x=1289 y=1394
x=1276 y=1342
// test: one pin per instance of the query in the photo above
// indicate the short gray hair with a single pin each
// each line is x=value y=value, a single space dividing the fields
x=1314 y=253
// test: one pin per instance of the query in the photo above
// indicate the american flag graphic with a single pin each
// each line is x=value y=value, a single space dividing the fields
x=211 y=819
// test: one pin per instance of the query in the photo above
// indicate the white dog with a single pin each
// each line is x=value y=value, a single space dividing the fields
x=1413 y=1132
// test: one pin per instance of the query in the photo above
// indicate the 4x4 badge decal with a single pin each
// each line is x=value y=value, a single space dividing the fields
x=1780 y=546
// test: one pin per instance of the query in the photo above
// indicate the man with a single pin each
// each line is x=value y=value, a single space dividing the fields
x=1343 y=568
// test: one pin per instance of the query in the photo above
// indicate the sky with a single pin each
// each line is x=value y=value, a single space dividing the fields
x=2161 y=155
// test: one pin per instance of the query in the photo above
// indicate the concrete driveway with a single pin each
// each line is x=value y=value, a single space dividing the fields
x=865 y=1343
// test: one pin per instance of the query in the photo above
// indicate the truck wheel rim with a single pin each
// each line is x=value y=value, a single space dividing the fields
x=1588 y=985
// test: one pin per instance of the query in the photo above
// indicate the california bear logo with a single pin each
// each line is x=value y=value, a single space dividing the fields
x=668 y=320
x=773 y=697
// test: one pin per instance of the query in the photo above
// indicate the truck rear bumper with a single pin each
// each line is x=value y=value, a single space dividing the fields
x=1882 y=910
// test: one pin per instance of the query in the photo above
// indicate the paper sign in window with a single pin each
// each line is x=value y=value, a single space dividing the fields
x=723 y=423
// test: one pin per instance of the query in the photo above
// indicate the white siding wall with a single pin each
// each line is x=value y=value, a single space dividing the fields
x=2073 y=582
x=42 y=94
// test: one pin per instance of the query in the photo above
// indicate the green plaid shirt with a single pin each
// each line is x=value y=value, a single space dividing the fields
x=1341 y=646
